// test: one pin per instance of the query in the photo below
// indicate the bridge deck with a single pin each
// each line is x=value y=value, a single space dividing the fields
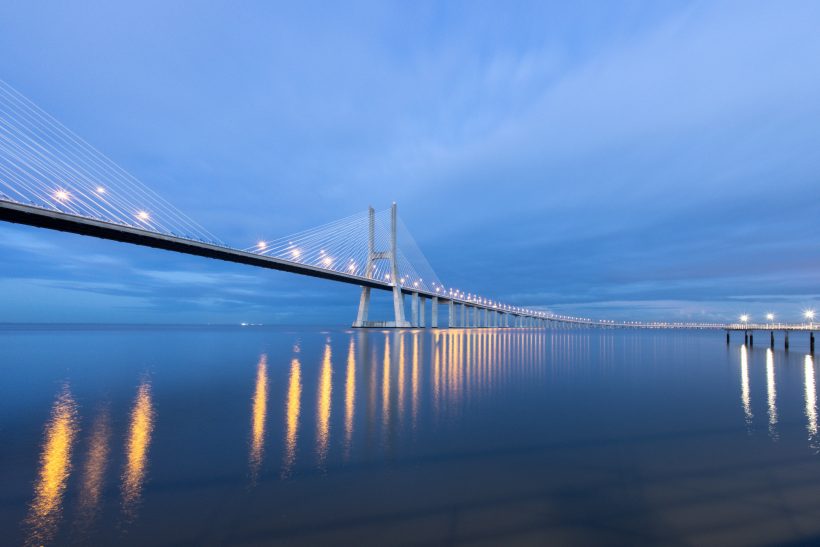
x=66 y=222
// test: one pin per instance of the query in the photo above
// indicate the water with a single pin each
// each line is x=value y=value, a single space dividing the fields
x=306 y=436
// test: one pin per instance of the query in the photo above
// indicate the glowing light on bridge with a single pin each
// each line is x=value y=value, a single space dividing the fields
x=61 y=195
x=744 y=318
x=100 y=189
x=143 y=216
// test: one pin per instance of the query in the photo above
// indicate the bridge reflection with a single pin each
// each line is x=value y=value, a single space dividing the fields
x=395 y=388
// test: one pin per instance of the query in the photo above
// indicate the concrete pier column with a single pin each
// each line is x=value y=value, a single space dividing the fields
x=422 y=305
x=727 y=337
x=414 y=310
x=463 y=322
x=364 y=307
x=745 y=338
x=434 y=313
x=811 y=343
x=751 y=339
x=771 y=339
x=451 y=314
x=786 y=341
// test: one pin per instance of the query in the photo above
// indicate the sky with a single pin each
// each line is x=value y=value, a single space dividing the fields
x=620 y=160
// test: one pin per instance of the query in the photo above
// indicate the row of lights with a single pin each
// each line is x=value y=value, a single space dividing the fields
x=808 y=314
x=64 y=196
x=327 y=261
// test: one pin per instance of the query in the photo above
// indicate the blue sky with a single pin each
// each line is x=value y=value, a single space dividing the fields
x=611 y=159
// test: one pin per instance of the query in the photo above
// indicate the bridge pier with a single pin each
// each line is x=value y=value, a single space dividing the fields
x=771 y=339
x=422 y=305
x=751 y=338
x=451 y=314
x=434 y=313
x=811 y=343
x=786 y=342
x=414 y=310
x=463 y=322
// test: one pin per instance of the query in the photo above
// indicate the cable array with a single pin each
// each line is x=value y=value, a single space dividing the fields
x=46 y=165
x=343 y=246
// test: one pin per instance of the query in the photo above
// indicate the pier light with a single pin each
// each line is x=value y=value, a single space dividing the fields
x=809 y=314
x=143 y=216
x=744 y=318
x=61 y=195
x=770 y=317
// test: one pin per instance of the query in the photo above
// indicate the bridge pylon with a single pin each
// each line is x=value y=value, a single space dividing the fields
x=390 y=255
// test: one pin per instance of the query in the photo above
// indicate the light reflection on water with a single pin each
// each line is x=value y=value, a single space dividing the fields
x=350 y=396
x=401 y=394
x=745 y=398
x=325 y=391
x=55 y=468
x=136 y=450
x=294 y=402
x=811 y=401
x=771 y=392
x=96 y=463
x=259 y=405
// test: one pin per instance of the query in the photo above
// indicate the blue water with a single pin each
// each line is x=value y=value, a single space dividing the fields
x=255 y=435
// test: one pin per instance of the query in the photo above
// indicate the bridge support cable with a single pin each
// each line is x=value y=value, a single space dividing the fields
x=44 y=164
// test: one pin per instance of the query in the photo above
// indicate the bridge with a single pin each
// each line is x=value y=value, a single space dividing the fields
x=51 y=178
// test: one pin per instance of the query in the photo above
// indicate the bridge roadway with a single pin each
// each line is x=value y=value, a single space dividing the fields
x=469 y=316
x=66 y=222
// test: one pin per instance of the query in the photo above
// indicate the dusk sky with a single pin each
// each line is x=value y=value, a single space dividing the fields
x=618 y=160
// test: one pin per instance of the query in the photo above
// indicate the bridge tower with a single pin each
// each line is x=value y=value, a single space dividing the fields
x=372 y=256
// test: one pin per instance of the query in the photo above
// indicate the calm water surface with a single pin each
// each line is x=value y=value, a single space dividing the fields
x=174 y=436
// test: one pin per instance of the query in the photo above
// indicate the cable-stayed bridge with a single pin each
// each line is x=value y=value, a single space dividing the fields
x=51 y=178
